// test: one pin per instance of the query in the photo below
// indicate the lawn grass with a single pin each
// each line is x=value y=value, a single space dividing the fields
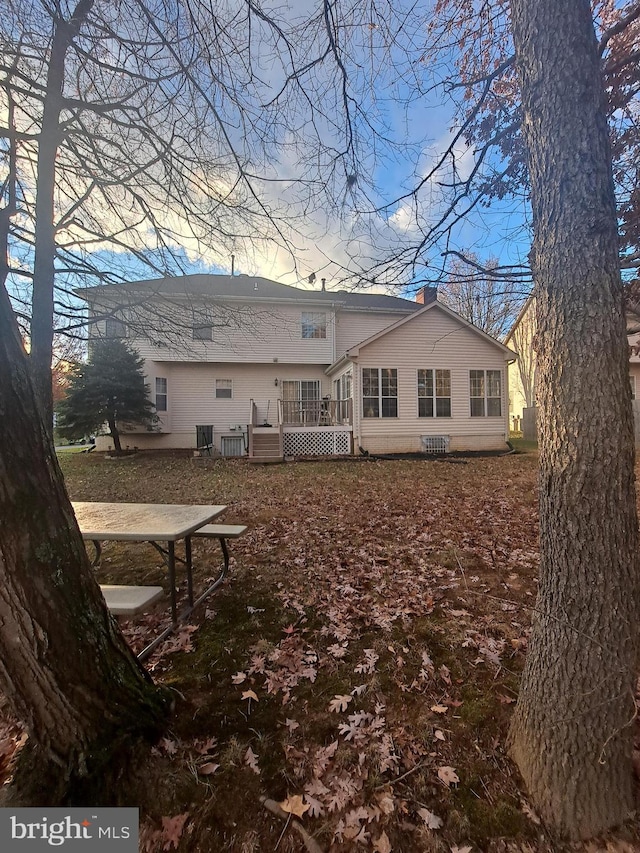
x=379 y=612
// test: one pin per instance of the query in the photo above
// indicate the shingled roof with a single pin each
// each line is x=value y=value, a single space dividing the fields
x=249 y=287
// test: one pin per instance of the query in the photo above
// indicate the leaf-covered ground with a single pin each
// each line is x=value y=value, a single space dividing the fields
x=360 y=664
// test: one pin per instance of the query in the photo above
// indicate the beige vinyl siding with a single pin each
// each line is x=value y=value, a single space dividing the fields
x=192 y=400
x=256 y=333
x=431 y=340
x=353 y=327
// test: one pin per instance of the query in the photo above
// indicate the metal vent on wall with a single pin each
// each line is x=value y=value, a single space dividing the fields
x=232 y=445
x=435 y=443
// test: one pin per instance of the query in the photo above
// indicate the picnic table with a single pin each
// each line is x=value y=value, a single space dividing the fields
x=152 y=523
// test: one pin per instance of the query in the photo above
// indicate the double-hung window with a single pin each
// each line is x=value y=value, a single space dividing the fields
x=434 y=393
x=314 y=324
x=115 y=328
x=485 y=393
x=202 y=326
x=224 y=389
x=161 y=394
x=379 y=392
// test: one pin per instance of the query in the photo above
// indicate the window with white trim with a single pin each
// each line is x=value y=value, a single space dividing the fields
x=485 y=393
x=434 y=393
x=343 y=386
x=224 y=389
x=313 y=324
x=379 y=392
x=202 y=326
x=115 y=328
x=161 y=394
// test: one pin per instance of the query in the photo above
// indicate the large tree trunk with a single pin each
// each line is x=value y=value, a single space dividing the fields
x=572 y=731
x=64 y=665
x=45 y=235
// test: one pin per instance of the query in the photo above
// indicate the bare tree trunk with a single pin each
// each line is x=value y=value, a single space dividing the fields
x=64 y=666
x=45 y=237
x=571 y=735
x=115 y=435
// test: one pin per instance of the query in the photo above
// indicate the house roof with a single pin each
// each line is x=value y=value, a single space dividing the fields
x=353 y=352
x=632 y=311
x=249 y=287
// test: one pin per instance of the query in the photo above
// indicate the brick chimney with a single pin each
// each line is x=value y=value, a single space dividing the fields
x=426 y=294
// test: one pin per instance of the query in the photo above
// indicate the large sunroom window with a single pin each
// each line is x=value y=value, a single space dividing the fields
x=379 y=392
x=485 y=393
x=434 y=393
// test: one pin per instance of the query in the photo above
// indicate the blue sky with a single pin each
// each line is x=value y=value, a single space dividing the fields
x=361 y=223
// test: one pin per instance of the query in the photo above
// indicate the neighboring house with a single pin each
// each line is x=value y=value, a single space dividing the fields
x=522 y=372
x=245 y=365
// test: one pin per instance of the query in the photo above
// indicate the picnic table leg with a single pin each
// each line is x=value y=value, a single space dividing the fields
x=188 y=560
x=171 y=563
x=96 y=560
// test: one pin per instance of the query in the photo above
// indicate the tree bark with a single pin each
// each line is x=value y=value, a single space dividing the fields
x=115 y=435
x=45 y=232
x=64 y=666
x=571 y=734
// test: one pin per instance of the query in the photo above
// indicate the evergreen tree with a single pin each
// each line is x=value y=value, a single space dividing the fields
x=109 y=388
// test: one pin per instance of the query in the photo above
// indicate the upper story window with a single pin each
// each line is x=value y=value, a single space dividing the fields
x=434 y=393
x=161 y=394
x=379 y=392
x=314 y=324
x=115 y=328
x=485 y=393
x=224 y=389
x=202 y=327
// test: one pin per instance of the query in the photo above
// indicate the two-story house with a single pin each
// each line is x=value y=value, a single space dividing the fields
x=243 y=365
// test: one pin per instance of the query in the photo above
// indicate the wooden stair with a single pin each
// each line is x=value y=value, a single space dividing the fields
x=266 y=446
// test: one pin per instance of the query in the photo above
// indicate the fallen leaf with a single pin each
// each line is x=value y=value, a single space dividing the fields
x=448 y=775
x=249 y=694
x=439 y=734
x=208 y=769
x=239 y=677
x=456 y=849
x=251 y=760
x=294 y=805
x=382 y=845
x=172 y=830
x=339 y=703
x=439 y=709
x=432 y=821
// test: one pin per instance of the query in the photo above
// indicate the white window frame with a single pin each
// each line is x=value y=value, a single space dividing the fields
x=223 y=385
x=162 y=391
x=115 y=327
x=488 y=401
x=313 y=325
x=434 y=397
x=373 y=405
x=201 y=327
